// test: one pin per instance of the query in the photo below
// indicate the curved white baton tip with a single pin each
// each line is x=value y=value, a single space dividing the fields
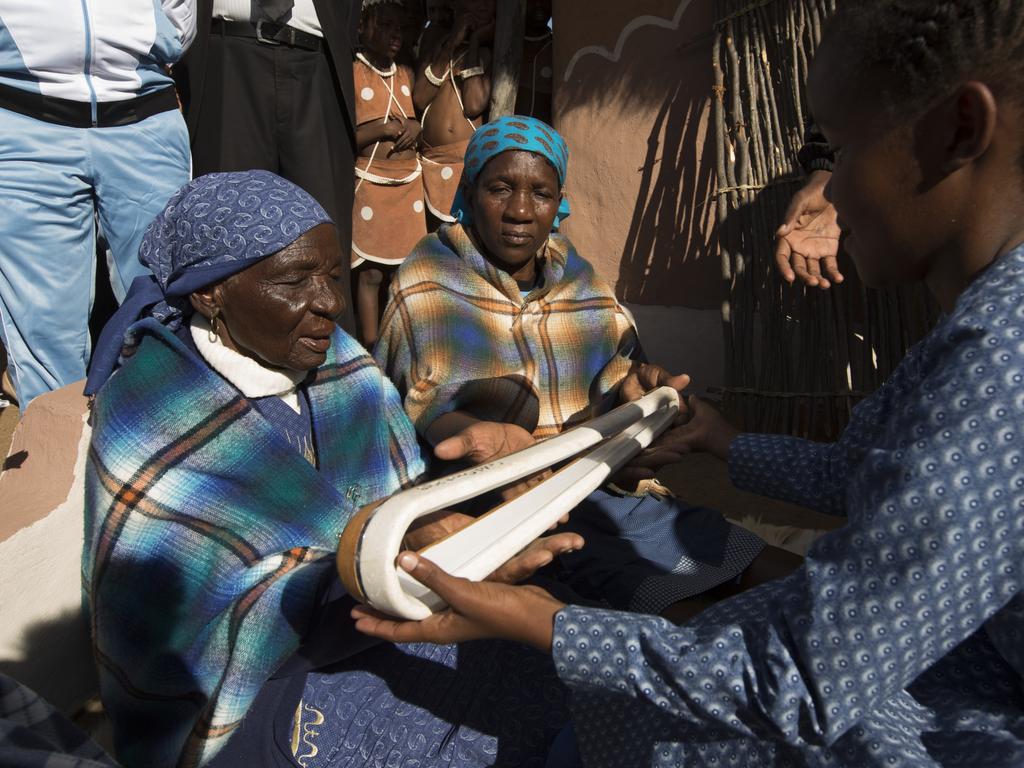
x=373 y=539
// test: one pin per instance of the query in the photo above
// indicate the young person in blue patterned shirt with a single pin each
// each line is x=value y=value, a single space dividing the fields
x=899 y=641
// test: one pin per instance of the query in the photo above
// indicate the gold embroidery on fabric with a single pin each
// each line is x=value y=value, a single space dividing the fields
x=296 y=728
x=304 y=732
x=304 y=445
x=308 y=451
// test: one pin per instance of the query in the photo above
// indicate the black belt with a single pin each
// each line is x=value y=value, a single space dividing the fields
x=78 y=114
x=268 y=33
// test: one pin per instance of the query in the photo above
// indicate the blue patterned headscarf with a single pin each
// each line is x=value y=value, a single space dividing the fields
x=213 y=227
x=517 y=132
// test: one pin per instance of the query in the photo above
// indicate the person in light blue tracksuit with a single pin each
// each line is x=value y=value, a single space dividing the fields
x=89 y=127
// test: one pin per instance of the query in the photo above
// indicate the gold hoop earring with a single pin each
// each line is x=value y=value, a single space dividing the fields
x=212 y=334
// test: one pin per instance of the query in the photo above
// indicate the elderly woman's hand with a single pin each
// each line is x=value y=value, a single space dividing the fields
x=643 y=377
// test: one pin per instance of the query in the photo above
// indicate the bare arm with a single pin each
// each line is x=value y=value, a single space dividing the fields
x=476 y=91
x=377 y=130
x=460 y=436
x=424 y=91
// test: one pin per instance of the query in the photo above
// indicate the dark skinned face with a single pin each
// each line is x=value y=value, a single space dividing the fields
x=381 y=33
x=480 y=11
x=413 y=19
x=876 y=184
x=440 y=12
x=538 y=14
x=281 y=311
x=514 y=201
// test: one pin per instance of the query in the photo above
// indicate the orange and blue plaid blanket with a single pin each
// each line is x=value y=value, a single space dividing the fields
x=459 y=334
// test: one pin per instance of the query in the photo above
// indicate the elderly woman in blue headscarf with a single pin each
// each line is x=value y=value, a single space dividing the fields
x=497 y=329
x=235 y=431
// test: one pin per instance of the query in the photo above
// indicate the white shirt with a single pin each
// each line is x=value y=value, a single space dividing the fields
x=95 y=51
x=248 y=376
x=303 y=18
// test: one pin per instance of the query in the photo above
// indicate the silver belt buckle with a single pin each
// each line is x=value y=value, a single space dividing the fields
x=261 y=38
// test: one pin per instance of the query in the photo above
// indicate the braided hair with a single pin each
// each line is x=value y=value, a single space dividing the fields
x=925 y=49
x=372 y=8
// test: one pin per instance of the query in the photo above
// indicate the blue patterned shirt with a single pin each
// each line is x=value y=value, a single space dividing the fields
x=900 y=641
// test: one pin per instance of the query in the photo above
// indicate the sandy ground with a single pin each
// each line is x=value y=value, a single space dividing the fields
x=8 y=421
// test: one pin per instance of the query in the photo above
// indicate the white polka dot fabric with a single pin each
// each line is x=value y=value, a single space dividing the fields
x=900 y=642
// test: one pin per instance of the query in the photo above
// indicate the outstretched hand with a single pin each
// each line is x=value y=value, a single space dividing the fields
x=807 y=242
x=477 y=611
x=643 y=377
x=484 y=441
x=408 y=136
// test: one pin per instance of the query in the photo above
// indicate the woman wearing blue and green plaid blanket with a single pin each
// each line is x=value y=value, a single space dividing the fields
x=498 y=331
x=235 y=431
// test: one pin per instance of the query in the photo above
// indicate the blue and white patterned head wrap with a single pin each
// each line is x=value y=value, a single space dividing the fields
x=213 y=227
x=517 y=132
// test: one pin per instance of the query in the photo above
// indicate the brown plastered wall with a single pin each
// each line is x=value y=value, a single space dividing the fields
x=641 y=166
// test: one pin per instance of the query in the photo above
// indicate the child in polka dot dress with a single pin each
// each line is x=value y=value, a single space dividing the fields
x=388 y=215
x=900 y=641
x=453 y=94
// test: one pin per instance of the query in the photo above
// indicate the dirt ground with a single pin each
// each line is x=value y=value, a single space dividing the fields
x=8 y=421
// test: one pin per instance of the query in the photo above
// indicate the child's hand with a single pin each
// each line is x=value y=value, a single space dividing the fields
x=477 y=611
x=460 y=32
x=408 y=137
x=393 y=129
x=537 y=554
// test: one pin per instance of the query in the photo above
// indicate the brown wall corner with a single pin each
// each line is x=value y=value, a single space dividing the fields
x=641 y=166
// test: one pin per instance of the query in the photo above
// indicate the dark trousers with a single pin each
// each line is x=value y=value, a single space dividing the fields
x=278 y=109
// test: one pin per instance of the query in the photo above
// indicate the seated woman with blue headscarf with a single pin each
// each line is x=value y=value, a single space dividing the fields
x=235 y=431
x=498 y=329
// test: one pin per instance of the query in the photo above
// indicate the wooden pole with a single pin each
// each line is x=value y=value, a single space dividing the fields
x=508 y=55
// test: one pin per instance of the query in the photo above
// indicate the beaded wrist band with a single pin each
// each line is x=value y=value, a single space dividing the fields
x=434 y=79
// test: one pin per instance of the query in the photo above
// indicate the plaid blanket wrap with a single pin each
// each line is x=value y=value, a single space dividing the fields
x=207 y=534
x=459 y=335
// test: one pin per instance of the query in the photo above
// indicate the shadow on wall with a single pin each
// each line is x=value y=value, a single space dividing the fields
x=670 y=243
x=633 y=94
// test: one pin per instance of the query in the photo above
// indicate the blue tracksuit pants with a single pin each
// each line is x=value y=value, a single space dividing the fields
x=54 y=182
